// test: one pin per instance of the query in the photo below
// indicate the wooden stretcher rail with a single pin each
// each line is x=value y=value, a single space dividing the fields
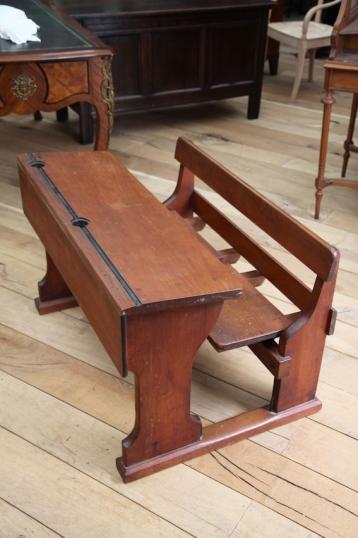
x=221 y=434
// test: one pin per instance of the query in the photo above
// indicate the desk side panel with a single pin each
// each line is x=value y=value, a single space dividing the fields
x=161 y=351
x=82 y=280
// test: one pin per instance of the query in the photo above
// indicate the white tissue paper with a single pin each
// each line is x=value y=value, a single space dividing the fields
x=15 y=26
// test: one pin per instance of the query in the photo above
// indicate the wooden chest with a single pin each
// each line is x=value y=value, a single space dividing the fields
x=175 y=52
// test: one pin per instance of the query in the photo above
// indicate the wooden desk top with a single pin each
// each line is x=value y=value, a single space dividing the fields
x=60 y=36
x=149 y=252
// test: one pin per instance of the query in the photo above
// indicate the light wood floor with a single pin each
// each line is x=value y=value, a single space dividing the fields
x=64 y=409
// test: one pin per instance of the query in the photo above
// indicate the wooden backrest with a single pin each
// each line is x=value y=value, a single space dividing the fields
x=311 y=250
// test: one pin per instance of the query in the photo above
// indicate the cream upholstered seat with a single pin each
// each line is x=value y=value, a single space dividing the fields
x=293 y=29
x=304 y=36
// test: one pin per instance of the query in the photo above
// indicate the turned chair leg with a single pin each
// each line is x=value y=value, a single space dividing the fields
x=349 y=141
x=320 y=183
x=299 y=71
x=54 y=293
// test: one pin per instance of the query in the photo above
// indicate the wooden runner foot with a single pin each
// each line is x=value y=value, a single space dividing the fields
x=217 y=436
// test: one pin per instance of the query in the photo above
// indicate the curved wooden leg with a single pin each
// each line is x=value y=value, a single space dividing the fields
x=162 y=360
x=299 y=71
x=328 y=102
x=54 y=293
x=349 y=140
x=103 y=99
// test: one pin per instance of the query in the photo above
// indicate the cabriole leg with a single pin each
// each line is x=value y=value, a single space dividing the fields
x=103 y=99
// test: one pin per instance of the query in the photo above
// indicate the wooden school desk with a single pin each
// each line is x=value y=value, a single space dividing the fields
x=154 y=290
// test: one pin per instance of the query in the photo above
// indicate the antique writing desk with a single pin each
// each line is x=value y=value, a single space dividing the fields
x=69 y=65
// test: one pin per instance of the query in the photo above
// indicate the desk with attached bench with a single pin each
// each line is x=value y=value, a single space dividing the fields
x=153 y=290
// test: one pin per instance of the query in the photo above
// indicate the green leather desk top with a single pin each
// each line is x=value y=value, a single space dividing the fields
x=54 y=33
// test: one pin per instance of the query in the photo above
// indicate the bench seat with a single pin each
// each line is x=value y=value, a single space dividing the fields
x=247 y=320
x=291 y=345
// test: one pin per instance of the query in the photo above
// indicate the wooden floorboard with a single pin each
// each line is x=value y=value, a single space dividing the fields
x=64 y=409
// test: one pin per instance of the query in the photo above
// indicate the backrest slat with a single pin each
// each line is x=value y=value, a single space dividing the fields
x=286 y=282
x=315 y=253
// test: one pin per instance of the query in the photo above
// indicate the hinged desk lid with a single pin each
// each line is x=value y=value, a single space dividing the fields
x=153 y=254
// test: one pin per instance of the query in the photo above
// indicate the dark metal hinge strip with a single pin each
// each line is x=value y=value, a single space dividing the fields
x=37 y=163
